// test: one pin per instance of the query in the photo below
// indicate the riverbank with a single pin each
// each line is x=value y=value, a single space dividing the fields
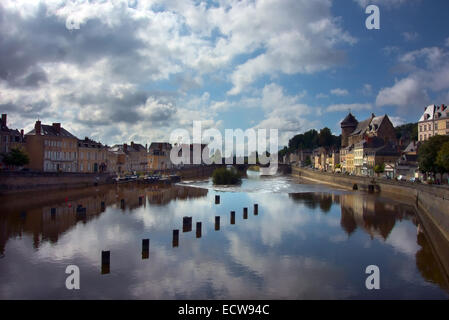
x=431 y=201
x=23 y=181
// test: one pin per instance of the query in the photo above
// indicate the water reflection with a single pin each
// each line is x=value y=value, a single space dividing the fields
x=295 y=245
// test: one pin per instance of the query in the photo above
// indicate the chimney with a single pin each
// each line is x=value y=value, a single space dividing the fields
x=4 y=120
x=37 y=127
x=57 y=127
x=132 y=144
x=125 y=147
x=21 y=133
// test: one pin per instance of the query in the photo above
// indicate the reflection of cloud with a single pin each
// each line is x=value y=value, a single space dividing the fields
x=403 y=239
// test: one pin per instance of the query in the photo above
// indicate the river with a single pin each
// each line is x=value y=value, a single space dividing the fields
x=305 y=242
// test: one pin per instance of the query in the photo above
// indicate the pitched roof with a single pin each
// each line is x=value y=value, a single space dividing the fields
x=47 y=130
x=362 y=127
x=349 y=121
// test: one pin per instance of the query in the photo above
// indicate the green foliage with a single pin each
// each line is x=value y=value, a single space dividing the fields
x=338 y=166
x=443 y=157
x=223 y=176
x=428 y=153
x=16 y=158
x=407 y=130
x=312 y=139
x=308 y=162
x=379 y=168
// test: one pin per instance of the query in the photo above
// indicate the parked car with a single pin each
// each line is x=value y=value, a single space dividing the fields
x=415 y=180
x=401 y=178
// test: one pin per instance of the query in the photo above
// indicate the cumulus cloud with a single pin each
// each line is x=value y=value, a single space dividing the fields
x=428 y=72
x=339 y=92
x=347 y=107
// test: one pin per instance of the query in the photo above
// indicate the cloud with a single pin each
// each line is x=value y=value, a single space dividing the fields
x=347 y=107
x=410 y=36
x=339 y=92
x=428 y=72
x=384 y=3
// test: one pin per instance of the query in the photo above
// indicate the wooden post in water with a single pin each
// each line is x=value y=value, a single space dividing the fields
x=122 y=203
x=175 y=238
x=105 y=262
x=140 y=200
x=103 y=206
x=256 y=209
x=232 y=217
x=217 y=223
x=198 y=229
x=53 y=213
x=245 y=213
x=186 y=224
x=217 y=199
x=145 y=248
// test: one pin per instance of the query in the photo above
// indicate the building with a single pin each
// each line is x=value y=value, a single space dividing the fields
x=434 y=121
x=349 y=166
x=132 y=158
x=92 y=156
x=407 y=166
x=354 y=132
x=385 y=154
x=159 y=156
x=9 y=138
x=362 y=150
x=51 y=148
x=299 y=157
x=319 y=158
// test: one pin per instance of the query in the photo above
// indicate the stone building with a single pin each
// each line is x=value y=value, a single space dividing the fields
x=51 y=148
x=434 y=121
x=9 y=138
x=354 y=132
x=92 y=156
x=159 y=156
x=134 y=157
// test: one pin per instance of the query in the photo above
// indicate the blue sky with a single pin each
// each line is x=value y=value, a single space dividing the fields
x=136 y=70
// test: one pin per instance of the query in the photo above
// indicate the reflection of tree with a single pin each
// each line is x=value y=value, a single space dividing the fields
x=312 y=200
x=427 y=264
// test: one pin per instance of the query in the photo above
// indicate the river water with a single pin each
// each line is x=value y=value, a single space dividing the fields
x=305 y=242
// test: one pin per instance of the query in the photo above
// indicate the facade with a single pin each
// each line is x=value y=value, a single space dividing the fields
x=434 y=121
x=386 y=154
x=131 y=158
x=9 y=138
x=51 y=148
x=159 y=156
x=92 y=156
x=349 y=161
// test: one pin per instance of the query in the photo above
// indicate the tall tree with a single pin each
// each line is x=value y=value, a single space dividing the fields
x=428 y=152
x=443 y=157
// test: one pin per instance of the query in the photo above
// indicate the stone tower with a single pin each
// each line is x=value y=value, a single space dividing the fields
x=348 y=125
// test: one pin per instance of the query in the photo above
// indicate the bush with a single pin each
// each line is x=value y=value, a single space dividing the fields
x=223 y=176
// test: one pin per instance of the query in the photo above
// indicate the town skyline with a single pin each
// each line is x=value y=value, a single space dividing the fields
x=119 y=75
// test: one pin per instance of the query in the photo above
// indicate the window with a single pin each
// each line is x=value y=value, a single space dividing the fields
x=447 y=124
x=436 y=126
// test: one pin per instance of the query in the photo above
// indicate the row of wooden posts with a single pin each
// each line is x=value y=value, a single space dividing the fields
x=186 y=227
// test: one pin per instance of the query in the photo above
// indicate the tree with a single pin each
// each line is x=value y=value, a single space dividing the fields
x=428 y=152
x=379 y=168
x=443 y=157
x=16 y=158
x=325 y=137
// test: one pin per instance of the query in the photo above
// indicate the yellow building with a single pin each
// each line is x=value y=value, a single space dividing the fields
x=51 y=148
x=159 y=156
x=349 y=162
x=92 y=156
x=434 y=121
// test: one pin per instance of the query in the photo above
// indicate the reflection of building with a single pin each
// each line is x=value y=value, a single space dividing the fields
x=51 y=148
x=159 y=156
x=35 y=217
x=377 y=218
